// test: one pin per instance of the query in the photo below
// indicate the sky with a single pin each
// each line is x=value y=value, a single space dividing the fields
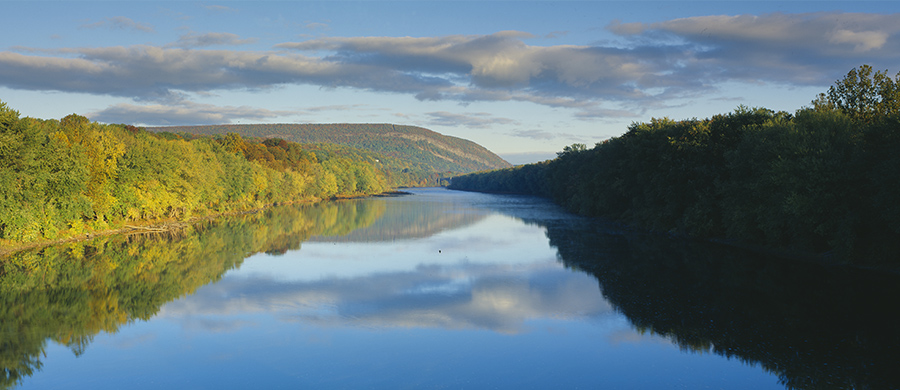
x=521 y=78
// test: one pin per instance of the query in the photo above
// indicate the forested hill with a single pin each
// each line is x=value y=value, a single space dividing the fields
x=415 y=145
x=823 y=181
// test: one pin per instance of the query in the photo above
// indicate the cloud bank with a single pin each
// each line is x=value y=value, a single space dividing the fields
x=182 y=113
x=652 y=64
x=478 y=120
x=193 y=40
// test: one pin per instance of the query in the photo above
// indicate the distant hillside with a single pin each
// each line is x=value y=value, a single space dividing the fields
x=414 y=145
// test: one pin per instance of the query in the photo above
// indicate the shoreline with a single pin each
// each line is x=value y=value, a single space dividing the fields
x=787 y=254
x=137 y=227
x=164 y=226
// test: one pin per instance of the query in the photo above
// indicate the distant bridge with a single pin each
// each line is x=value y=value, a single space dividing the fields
x=439 y=180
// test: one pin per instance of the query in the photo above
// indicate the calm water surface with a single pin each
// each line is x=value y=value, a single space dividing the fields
x=438 y=289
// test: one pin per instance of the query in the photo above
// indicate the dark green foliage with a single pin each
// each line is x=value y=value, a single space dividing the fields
x=812 y=326
x=863 y=95
x=825 y=180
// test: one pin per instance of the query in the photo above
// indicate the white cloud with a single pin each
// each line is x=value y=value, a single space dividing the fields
x=145 y=72
x=861 y=41
x=593 y=113
x=543 y=135
x=653 y=65
x=341 y=107
x=527 y=157
x=218 y=8
x=535 y=134
x=183 y=113
x=497 y=61
x=467 y=296
x=798 y=49
x=210 y=39
x=478 y=120
x=316 y=26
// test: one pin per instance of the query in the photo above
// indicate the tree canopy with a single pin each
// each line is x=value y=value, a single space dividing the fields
x=62 y=178
x=863 y=94
x=824 y=180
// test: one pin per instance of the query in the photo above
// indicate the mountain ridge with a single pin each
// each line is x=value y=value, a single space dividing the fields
x=429 y=149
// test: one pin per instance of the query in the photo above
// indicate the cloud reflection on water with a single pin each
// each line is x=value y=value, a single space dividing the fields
x=500 y=298
x=494 y=272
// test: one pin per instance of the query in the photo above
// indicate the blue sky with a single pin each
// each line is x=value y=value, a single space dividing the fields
x=522 y=78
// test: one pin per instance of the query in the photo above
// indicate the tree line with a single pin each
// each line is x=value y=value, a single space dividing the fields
x=824 y=180
x=63 y=178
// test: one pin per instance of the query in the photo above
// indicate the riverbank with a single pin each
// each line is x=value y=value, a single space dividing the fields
x=827 y=259
x=814 y=182
x=138 y=227
x=169 y=225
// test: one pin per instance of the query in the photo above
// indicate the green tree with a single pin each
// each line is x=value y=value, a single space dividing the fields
x=863 y=95
x=102 y=147
x=571 y=149
x=233 y=143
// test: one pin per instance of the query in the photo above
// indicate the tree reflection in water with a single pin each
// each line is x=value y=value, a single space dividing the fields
x=813 y=326
x=69 y=293
x=816 y=327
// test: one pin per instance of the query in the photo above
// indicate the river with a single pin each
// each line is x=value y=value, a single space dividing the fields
x=437 y=289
